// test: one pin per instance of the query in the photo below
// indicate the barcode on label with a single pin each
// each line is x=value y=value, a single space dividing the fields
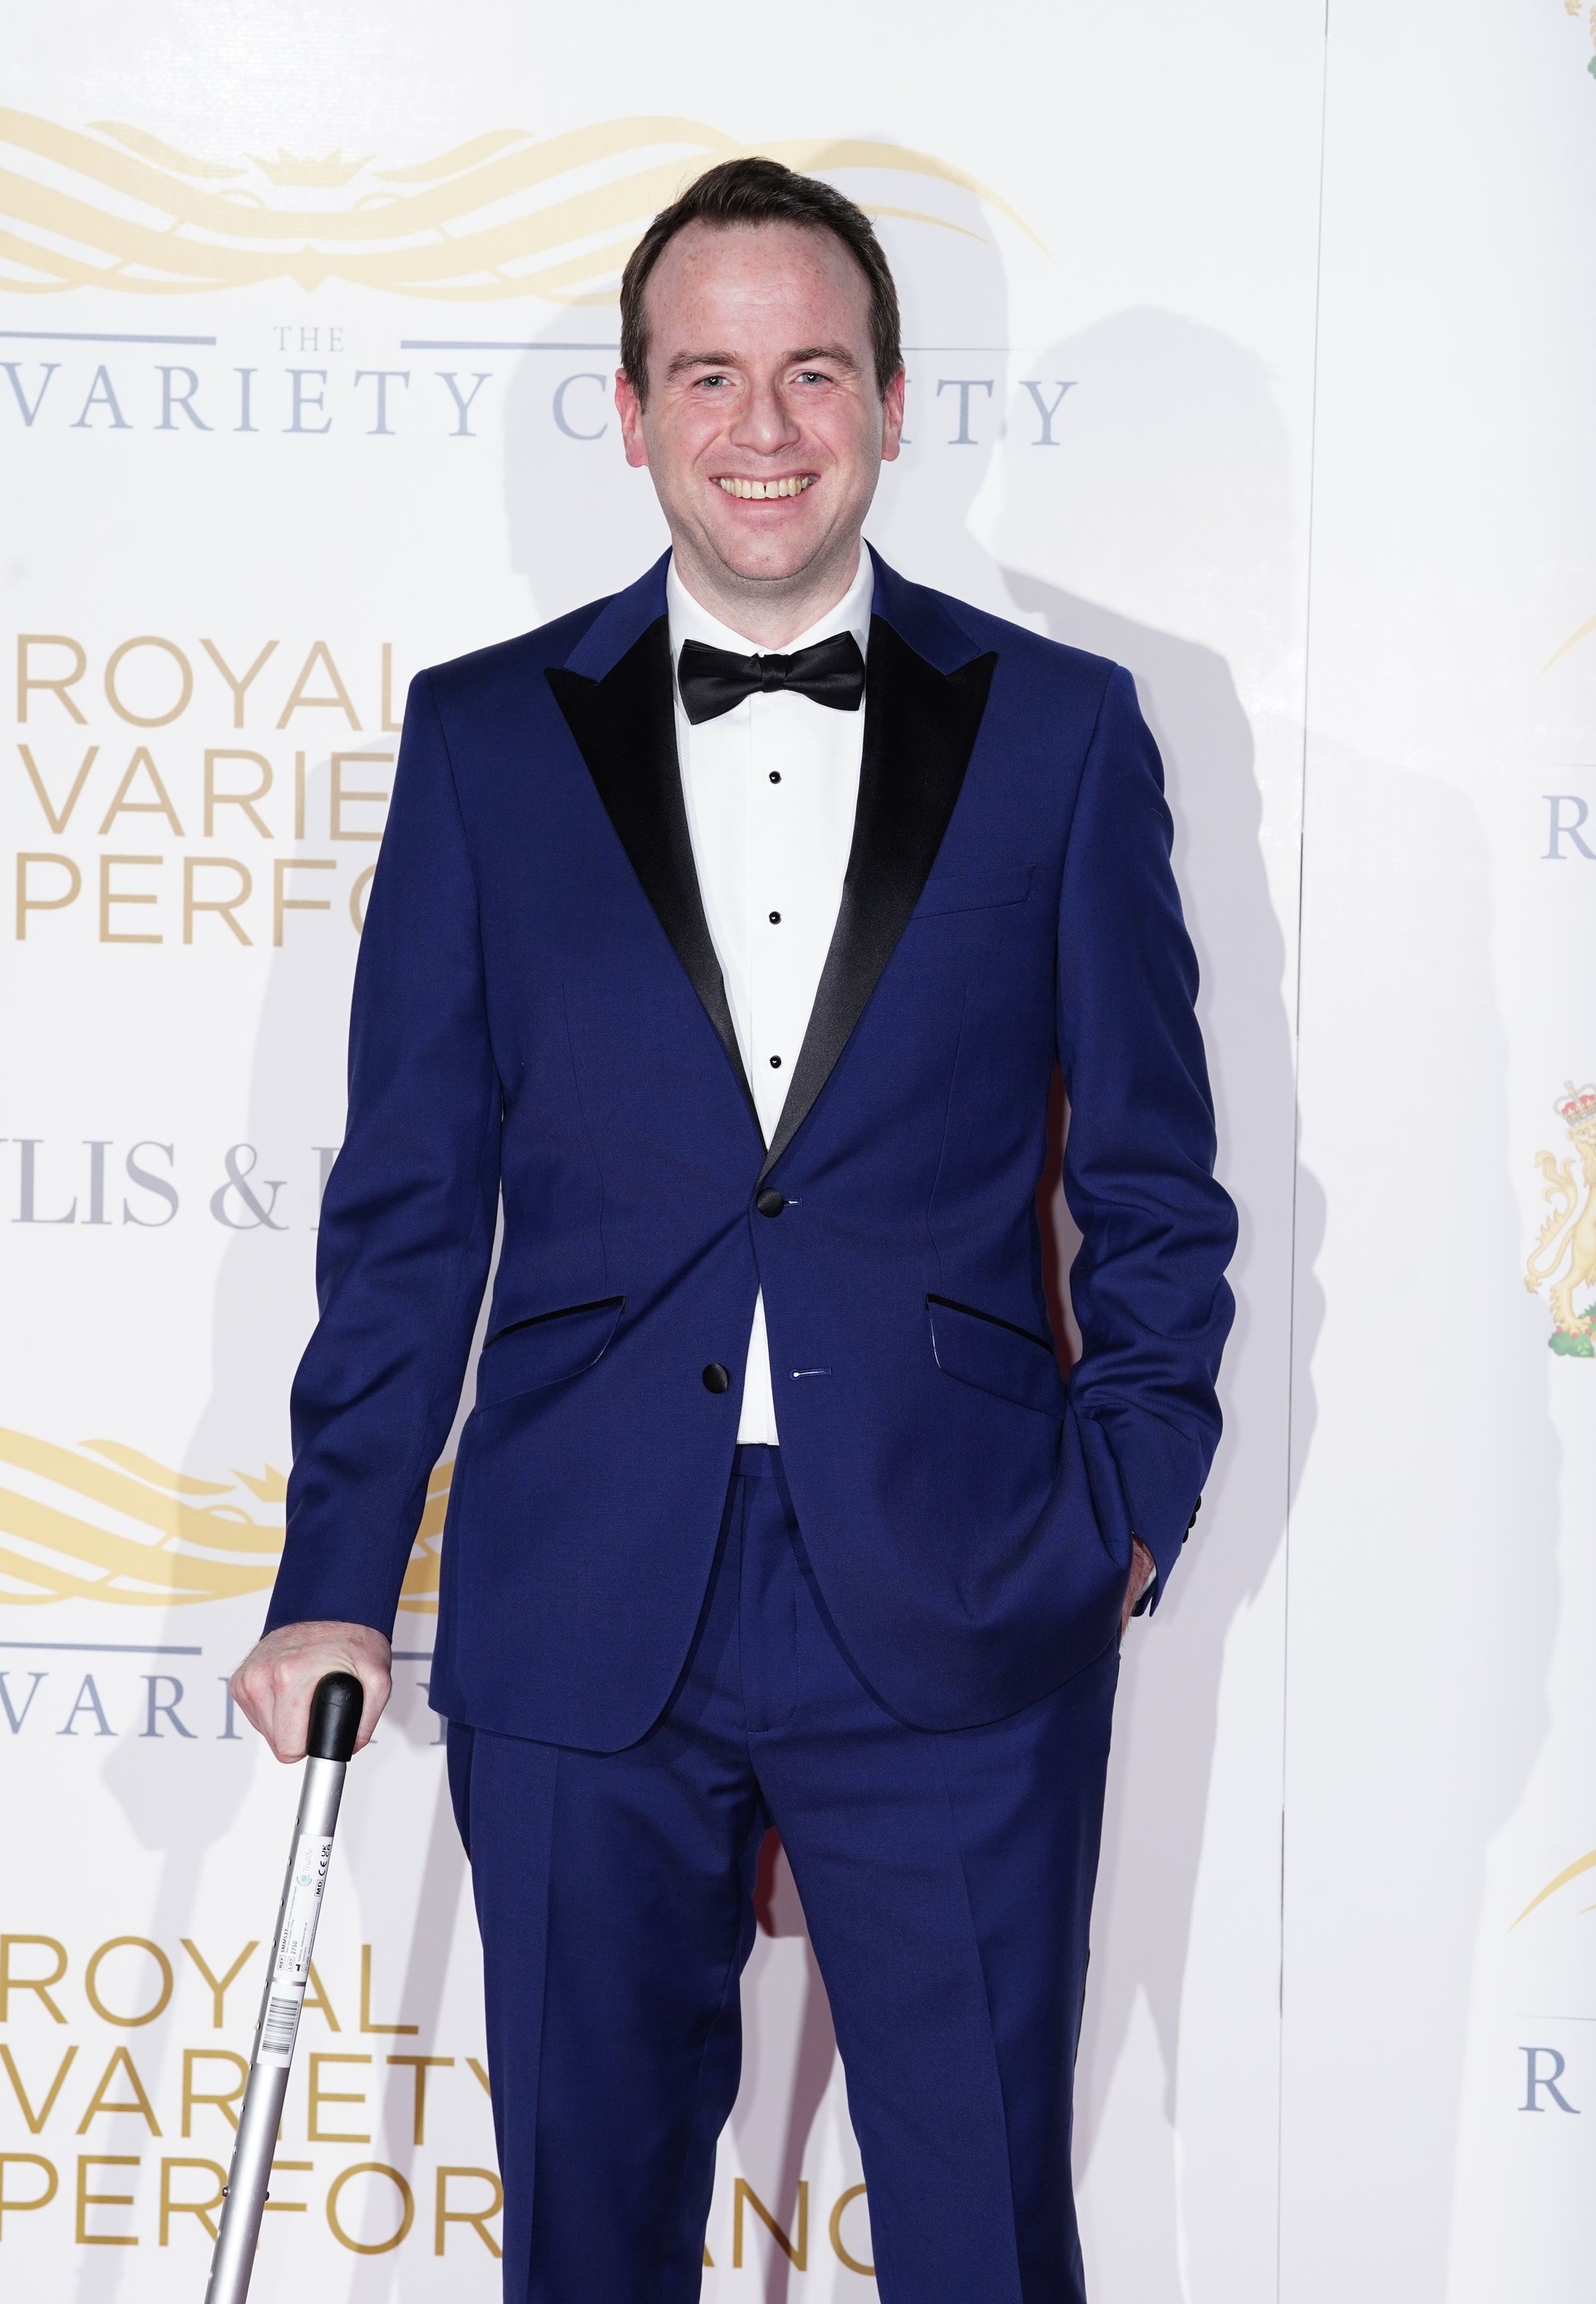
x=277 y=2033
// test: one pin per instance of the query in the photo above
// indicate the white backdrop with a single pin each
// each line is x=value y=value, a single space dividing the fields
x=1256 y=358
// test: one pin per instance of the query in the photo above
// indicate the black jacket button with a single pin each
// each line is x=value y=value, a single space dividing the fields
x=716 y=1378
x=769 y=1201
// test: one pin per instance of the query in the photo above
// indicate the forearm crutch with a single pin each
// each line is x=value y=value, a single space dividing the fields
x=334 y=1723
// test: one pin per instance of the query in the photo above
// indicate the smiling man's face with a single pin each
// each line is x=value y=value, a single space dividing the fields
x=763 y=430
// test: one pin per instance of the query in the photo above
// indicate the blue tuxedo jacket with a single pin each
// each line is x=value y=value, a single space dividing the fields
x=539 y=1019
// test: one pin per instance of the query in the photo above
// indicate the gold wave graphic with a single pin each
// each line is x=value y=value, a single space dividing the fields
x=1582 y=1864
x=505 y=214
x=1573 y=641
x=103 y=1521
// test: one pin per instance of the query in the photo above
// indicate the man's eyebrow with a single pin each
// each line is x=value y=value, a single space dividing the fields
x=838 y=355
x=700 y=359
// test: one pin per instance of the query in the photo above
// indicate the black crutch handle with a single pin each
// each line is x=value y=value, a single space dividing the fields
x=335 y=1717
x=334 y=1723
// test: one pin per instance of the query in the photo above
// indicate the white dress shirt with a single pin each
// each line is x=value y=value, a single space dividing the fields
x=771 y=789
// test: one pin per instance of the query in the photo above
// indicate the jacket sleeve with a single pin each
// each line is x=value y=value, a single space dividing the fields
x=407 y=1221
x=1157 y=1231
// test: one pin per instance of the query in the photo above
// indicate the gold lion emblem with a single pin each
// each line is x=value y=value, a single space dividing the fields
x=1564 y=1257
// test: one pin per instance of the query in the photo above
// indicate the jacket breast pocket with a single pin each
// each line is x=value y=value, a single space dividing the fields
x=546 y=1349
x=973 y=891
x=995 y=1356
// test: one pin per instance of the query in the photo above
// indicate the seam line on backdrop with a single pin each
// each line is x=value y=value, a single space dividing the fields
x=100 y=1647
x=80 y=336
x=1302 y=849
x=491 y=344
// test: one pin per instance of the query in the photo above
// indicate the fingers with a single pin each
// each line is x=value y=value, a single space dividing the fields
x=378 y=1683
x=274 y=1694
x=1142 y=1570
x=274 y=1686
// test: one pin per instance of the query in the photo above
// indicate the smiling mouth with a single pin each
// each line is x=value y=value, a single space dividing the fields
x=765 y=490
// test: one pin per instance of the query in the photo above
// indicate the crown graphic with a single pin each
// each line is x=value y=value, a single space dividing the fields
x=1576 y=1109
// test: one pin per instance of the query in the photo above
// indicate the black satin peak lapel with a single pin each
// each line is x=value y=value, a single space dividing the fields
x=920 y=729
x=625 y=726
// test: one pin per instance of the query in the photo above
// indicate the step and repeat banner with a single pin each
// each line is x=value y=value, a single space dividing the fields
x=1257 y=362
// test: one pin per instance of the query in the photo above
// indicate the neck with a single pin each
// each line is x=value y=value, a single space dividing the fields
x=769 y=613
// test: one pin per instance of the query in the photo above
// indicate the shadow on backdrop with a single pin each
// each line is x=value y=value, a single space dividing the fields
x=1180 y=493
x=1424 y=1576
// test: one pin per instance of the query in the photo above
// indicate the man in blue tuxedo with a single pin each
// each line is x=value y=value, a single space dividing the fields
x=726 y=936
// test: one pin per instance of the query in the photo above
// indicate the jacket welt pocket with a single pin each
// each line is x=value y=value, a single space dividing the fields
x=973 y=891
x=995 y=1356
x=547 y=1348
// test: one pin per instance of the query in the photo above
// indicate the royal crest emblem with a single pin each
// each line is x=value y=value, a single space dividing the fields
x=1564 y=1258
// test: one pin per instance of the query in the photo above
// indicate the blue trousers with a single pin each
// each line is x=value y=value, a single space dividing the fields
x=946 y=1883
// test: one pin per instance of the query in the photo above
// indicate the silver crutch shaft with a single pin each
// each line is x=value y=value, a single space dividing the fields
x=334 y=1723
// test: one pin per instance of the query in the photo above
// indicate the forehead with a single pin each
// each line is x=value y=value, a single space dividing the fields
x=756 y=283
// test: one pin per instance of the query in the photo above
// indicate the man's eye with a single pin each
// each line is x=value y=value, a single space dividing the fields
x=813 y=375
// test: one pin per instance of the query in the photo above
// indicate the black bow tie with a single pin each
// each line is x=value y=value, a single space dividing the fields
x=713 y=680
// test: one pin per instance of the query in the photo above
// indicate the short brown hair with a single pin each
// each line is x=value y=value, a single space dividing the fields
x=757 y=191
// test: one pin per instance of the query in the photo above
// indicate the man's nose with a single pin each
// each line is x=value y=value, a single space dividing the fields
x=764 y=422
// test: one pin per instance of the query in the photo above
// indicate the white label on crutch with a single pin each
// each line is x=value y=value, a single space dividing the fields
x=296 y=1939
x=297 y=1935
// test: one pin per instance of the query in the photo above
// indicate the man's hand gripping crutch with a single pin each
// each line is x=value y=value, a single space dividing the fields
x=341 y=1712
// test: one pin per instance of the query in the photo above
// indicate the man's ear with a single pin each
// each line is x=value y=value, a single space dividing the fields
x=891 y=430
x=629 y=407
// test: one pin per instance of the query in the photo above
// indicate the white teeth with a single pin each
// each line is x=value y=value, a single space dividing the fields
x=762 y=490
